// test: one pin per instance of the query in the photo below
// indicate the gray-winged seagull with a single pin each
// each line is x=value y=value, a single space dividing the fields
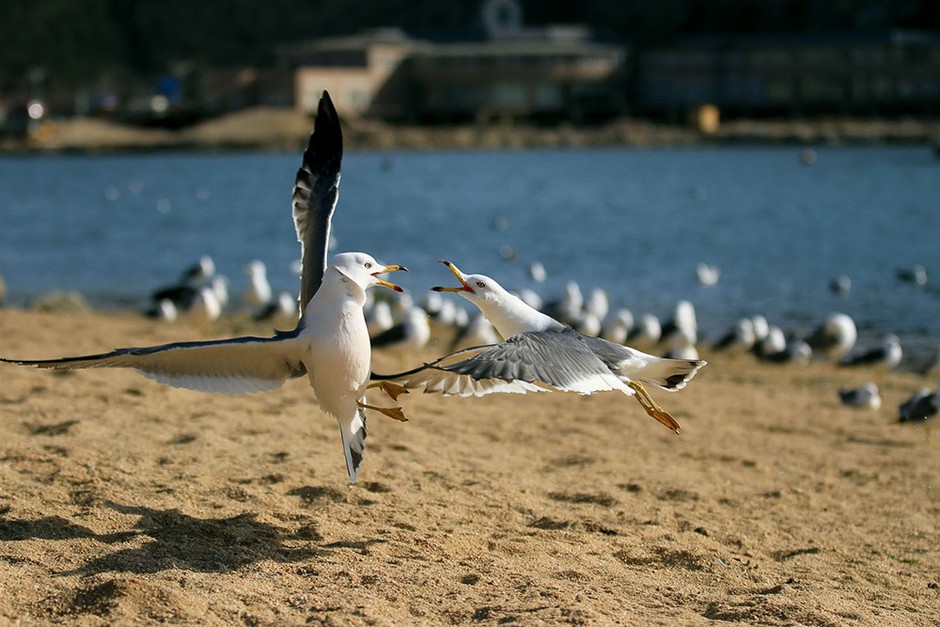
x=540 y=354
x=330 y=343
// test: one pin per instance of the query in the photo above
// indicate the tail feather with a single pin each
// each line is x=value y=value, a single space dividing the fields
x=671 y=374
x=353 y=434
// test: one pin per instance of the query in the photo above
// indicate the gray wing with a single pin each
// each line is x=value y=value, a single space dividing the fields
x=528 y=362
x=232 y=366
x=868 y=358
x=316 y=190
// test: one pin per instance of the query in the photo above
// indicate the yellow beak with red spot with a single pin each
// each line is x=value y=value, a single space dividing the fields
x=383 y=282
x=460 y=277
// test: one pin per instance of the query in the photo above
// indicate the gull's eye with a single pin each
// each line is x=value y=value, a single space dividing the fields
x=368 y=264
x=481 y=284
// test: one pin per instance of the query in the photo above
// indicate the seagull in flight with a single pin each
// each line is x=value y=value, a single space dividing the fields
x=330 y=343
x=540 y=354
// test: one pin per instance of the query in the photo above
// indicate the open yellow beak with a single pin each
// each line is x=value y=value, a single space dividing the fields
x=460 y=277
x=383 y=282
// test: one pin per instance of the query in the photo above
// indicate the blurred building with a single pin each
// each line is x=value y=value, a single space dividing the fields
x=864 y=74
x=513 y=71
x=365 y=74
x=552 y=74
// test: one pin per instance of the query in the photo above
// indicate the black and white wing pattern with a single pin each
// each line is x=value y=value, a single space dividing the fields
x=536 y=361
x=630 y=364
x=316 y=190
x=233 y=366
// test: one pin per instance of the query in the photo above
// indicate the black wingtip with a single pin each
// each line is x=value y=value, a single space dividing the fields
x=327 y=136
x=326 y=108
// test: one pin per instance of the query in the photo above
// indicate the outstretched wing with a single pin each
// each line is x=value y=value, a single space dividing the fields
x=232 y=366
x=316 y=190
x=536 y=361
x=631 y=364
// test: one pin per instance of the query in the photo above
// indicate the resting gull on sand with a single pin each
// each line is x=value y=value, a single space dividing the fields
x=540 y=354
x=330 y=343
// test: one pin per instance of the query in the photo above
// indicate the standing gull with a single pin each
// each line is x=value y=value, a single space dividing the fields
x=183 y=292
x=739 y=339
x=259 y=292
x=541 y=354
x=477 y=331
x=865 y=396
x=330 y=343
x=617 y=326
x=885 y=356
x=835 y=337
x=920 y=407
x=647 y=331
x=408 y=336
x=379 y=318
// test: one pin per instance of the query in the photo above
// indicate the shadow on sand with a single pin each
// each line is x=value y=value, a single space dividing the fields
x=172 y=539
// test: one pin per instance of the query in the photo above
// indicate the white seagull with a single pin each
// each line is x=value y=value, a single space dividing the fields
x=183 y=292
x=647 y=331
x=379 y=318
x=407 y=337
x=617 y=326
x=541 y=354
x=835 y=337
x=537 y=272
x=477 y=331
x=885 y=356
x=864 y=396
x=330 y=343
x=281 y=310
x=739 y=339
x=205 y=307
x=259 y=290
x=707 y=274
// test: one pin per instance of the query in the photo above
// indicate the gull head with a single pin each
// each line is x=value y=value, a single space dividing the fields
x=507 y=312
x=479 y=289
x=363 y=270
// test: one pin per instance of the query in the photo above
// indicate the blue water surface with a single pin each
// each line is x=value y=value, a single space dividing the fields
x=633 y=221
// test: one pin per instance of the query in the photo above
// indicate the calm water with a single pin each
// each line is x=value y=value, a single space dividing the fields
x=635 y=222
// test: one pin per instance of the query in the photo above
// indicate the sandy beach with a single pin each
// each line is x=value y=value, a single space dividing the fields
x=284 y=129
x=126 y=502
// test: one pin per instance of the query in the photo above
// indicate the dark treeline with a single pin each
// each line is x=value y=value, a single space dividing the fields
x=81 y=40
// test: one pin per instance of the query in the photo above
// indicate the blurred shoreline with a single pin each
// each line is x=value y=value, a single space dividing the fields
x=286 y=129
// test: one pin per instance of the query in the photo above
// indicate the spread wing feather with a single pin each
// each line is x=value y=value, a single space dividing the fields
x=631 y=364
x=316 y=190
x=528 y=362
x=232 y=366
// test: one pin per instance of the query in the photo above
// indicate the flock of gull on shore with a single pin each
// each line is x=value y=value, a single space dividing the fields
x=515 y=342
x=401 y=326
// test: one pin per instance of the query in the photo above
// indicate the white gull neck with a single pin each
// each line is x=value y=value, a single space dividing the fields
x=336 y=292
x=510 y=315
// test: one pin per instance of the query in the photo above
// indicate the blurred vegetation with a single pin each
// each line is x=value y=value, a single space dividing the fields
x=83 y=39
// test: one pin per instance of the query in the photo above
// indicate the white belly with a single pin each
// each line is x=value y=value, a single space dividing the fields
x=341 y=362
